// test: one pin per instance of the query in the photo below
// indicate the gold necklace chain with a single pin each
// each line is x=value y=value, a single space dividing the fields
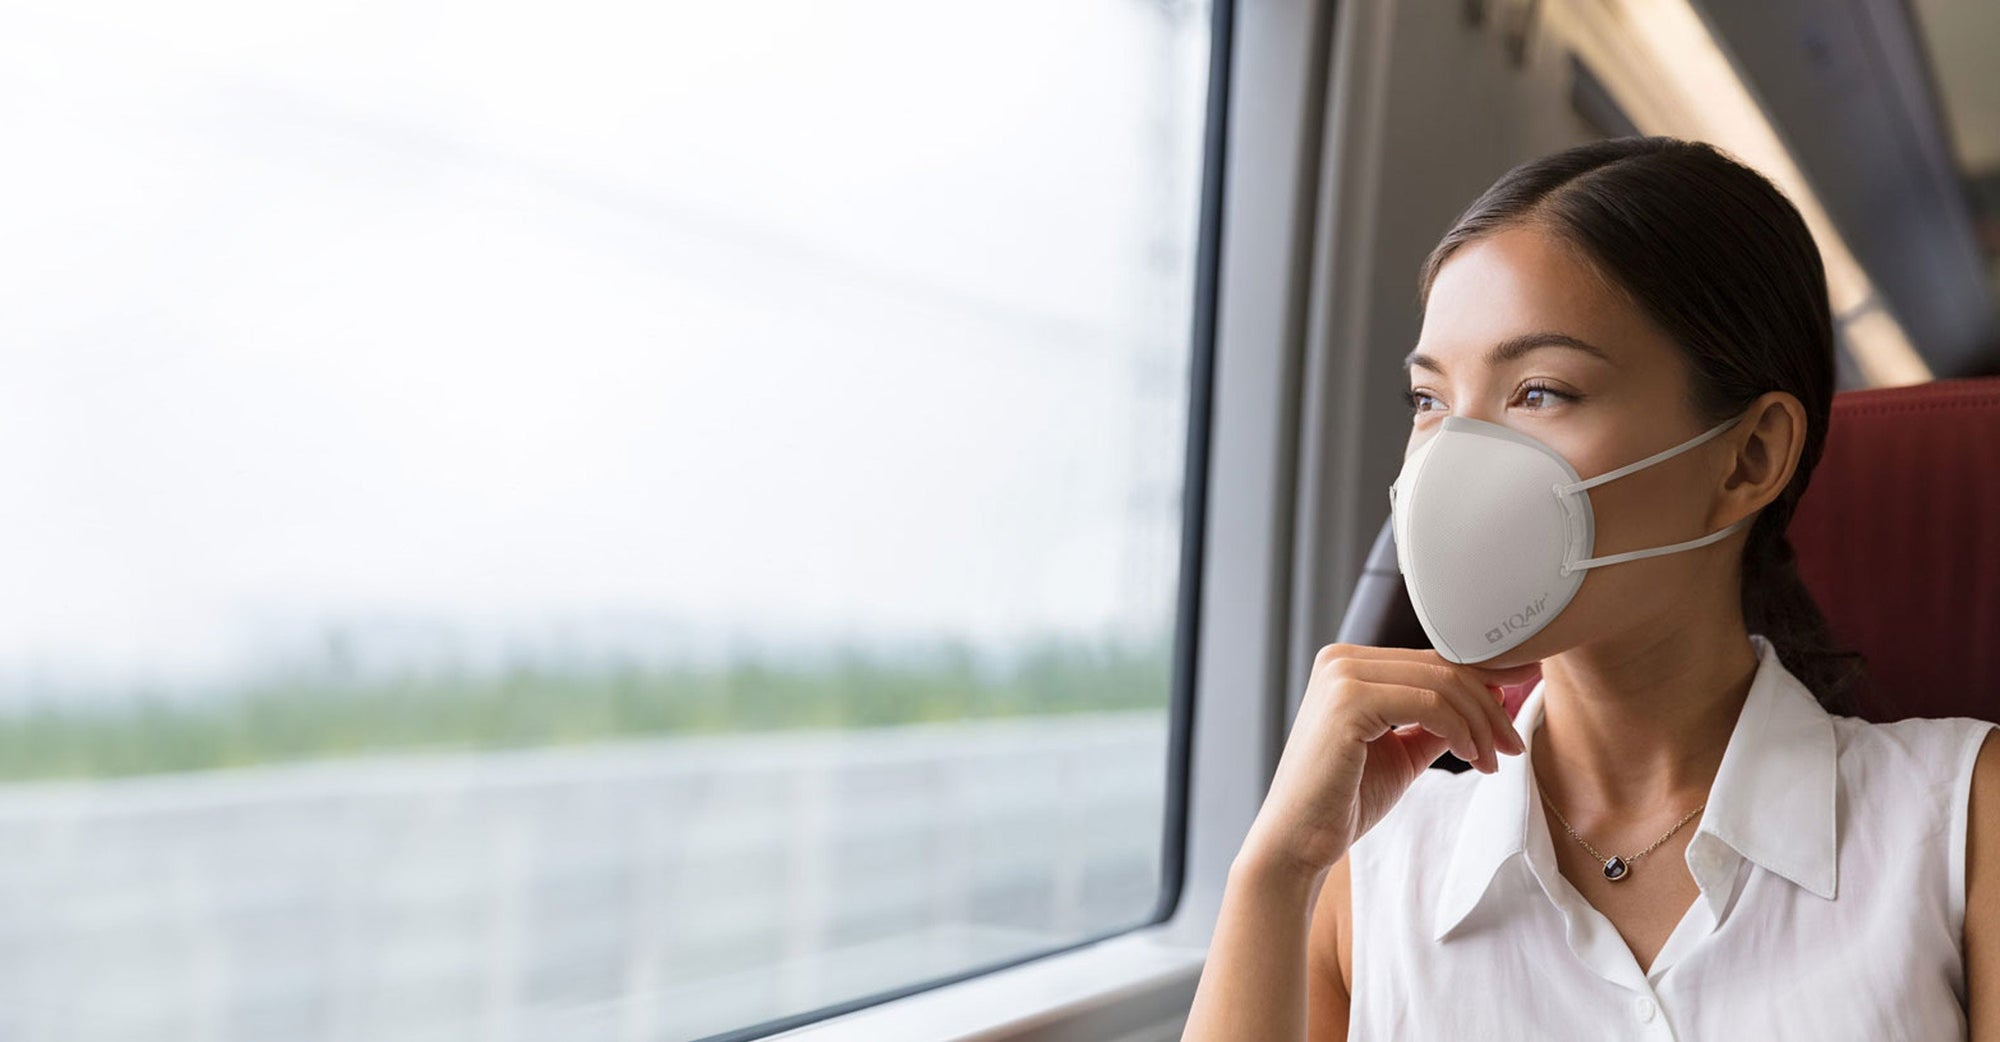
x=1615 y=868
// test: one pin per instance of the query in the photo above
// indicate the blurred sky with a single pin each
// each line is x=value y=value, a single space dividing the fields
x=616 y=327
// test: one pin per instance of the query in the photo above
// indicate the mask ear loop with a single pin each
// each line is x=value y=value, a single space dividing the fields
x=1564 y=490
x=1612 y=475
x=1633 y=555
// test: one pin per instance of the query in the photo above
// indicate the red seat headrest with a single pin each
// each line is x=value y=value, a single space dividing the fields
x=1898 y=538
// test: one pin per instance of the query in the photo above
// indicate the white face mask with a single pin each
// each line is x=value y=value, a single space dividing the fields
x=1493 y=532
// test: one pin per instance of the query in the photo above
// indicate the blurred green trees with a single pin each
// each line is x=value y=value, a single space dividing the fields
x=538 y=706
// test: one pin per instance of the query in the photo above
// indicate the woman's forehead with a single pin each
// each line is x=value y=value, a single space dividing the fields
x=1524 y=283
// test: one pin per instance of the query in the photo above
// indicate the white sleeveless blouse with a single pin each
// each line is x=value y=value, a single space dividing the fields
x=1831 y=860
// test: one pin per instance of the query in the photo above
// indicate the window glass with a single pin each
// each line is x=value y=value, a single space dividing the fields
x=600 y=520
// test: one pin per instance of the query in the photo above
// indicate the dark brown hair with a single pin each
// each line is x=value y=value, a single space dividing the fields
x=1717 y=257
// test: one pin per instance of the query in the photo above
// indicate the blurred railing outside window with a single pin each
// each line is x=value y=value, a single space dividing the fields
x=599 y=520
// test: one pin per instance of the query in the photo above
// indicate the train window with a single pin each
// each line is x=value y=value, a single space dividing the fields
x=584 y=521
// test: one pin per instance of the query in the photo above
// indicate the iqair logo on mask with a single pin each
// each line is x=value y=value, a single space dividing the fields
x=1519 y=620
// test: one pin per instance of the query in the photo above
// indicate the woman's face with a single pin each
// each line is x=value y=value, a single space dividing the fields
x=1519 y=331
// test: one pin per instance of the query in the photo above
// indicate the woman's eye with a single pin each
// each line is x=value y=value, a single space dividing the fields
x=1420 y=401
x=1549 y=395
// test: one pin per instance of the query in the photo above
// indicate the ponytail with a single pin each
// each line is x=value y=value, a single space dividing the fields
x=1777 y=605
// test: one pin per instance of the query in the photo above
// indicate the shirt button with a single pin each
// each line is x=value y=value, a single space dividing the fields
x=1645 y=1008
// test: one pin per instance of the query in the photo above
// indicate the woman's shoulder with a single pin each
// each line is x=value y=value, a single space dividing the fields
x=1915 y=773
x=1933 y=748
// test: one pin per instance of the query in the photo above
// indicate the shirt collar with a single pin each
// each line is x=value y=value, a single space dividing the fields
x=1772 y=800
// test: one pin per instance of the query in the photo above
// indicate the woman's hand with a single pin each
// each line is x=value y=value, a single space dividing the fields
x=1371 y=718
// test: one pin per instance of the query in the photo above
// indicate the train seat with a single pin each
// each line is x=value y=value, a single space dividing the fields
x=1898 y=538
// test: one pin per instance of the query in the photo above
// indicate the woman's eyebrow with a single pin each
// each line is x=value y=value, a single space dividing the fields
x=1514 y=347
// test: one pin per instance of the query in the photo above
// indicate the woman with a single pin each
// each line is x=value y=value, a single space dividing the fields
x=1704 y=842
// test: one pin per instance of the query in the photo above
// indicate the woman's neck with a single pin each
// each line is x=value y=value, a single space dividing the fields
x=1634 y=730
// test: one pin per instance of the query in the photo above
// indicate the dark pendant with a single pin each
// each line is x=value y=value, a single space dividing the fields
x=1616 y=868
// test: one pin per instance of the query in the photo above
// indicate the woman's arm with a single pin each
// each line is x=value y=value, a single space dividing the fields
x=1982 y=895
x=1371 y=720
x=1329 y=951
x=1254 y=983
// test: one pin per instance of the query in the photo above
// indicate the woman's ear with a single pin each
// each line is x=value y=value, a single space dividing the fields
x=1768 y=445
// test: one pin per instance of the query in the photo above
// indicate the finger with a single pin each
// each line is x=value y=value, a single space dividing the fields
x=1472 y=699
x=1506 y=675
x=1492 y=704
x=1422 y=747
x=1380 y=706
x=1462 y=692
x=1487 y=681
